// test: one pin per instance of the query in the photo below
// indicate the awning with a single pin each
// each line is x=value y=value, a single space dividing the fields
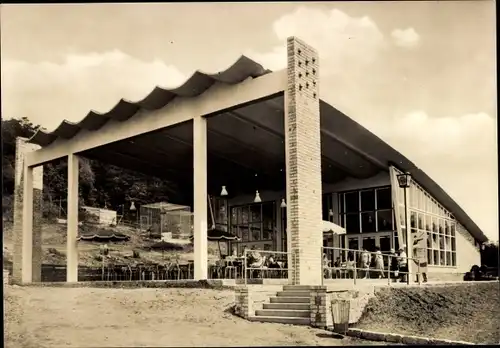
x=331 y=227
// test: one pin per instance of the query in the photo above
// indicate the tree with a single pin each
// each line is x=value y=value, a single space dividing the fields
x=100 y=184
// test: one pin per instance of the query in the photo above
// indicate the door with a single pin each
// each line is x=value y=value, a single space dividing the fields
x=369 y=243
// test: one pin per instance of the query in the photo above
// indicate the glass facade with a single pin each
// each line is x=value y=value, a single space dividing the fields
x=430 y=219
x=254 y=222
x=366 y=210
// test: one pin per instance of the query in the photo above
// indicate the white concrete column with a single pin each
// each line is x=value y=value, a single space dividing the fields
x=200 y=198
x=72 y=220
x=27 y=273
x=27 y=216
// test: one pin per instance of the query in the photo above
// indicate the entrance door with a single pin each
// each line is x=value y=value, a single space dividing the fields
x=369 y=243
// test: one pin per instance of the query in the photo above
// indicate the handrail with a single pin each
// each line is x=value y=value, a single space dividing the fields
x=263 y=267
x=355 y=268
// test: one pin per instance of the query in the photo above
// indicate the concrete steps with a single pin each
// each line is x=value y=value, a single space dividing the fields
x=290 y=306
x=288 y=313
x=287 y=299
x=281 y=320
x=287 y=306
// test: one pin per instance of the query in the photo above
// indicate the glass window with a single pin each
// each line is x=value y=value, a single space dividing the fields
x=453 y=259
x=441 y=242
x=442 y=260
x=435 y=256
x=368 y=222
x=255 y=213
x=420 y=221
x=452 y=228
x=434 y=224
x=413 y=219
x=429 y=257
x=341 y=203
x=448 y=258
x=244 y=234
x=244 y=215
x=453 y=244
x=384 y=220
x=441 y=226
x=352 y=223
x=368 y=200
x=428 y=223
x=384 y=198
x=420 y=199
x=352 y=202
x=256 y=232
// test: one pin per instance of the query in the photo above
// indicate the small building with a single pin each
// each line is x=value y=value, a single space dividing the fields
x=101 y=216
x=164 y=217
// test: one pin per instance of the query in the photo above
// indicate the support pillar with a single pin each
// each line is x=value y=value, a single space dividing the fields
x=200 y=198
x=72 y=220
x=303 y=163
x=27 y=258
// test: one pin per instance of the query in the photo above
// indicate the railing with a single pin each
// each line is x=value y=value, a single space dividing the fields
x=342 y=263
x=262 y=267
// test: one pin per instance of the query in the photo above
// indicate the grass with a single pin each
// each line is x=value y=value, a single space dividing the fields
x=465 y=312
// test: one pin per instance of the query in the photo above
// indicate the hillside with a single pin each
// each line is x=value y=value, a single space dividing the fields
x=465 y=312
x=54 y=247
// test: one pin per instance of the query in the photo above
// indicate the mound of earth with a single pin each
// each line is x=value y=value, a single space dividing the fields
x=465 y=312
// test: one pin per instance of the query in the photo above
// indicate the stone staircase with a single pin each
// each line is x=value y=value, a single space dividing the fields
x=290 y=306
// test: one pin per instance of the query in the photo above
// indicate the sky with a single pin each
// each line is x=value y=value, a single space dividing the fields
x=420 y=75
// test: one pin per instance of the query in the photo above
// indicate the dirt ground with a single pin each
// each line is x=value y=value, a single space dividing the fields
x=90 y=317
x=466 y=312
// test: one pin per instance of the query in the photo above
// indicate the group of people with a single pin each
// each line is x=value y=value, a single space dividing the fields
x=370 y=265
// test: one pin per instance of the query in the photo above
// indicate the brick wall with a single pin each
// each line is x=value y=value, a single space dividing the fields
x=319 y=306
x=303 y=162
x=22 y=148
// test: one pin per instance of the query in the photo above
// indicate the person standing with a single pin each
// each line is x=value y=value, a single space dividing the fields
x=393 y=264
x=365 y=263
x=379 y=263
x=403 y=264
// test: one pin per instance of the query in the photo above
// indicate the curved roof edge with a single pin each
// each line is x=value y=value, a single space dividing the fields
x=198 y=83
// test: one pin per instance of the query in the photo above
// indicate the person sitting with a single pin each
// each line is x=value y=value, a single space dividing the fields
x=350 y=265
x=327 y=272
x=337 y=265
x=255 y=259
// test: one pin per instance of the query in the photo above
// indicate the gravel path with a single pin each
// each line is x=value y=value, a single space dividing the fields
x=90 y=317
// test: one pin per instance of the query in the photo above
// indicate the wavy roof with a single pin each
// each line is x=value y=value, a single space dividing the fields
x=158 y=98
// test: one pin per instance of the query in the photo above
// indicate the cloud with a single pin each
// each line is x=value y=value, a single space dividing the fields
x=407 y=38
x=339 y=38
x=47 y=93
x=459 y=153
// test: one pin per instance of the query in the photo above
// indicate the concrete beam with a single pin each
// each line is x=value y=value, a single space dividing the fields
x=218 y=98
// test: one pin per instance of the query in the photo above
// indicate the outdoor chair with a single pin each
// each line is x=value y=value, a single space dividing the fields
x=230 y=270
